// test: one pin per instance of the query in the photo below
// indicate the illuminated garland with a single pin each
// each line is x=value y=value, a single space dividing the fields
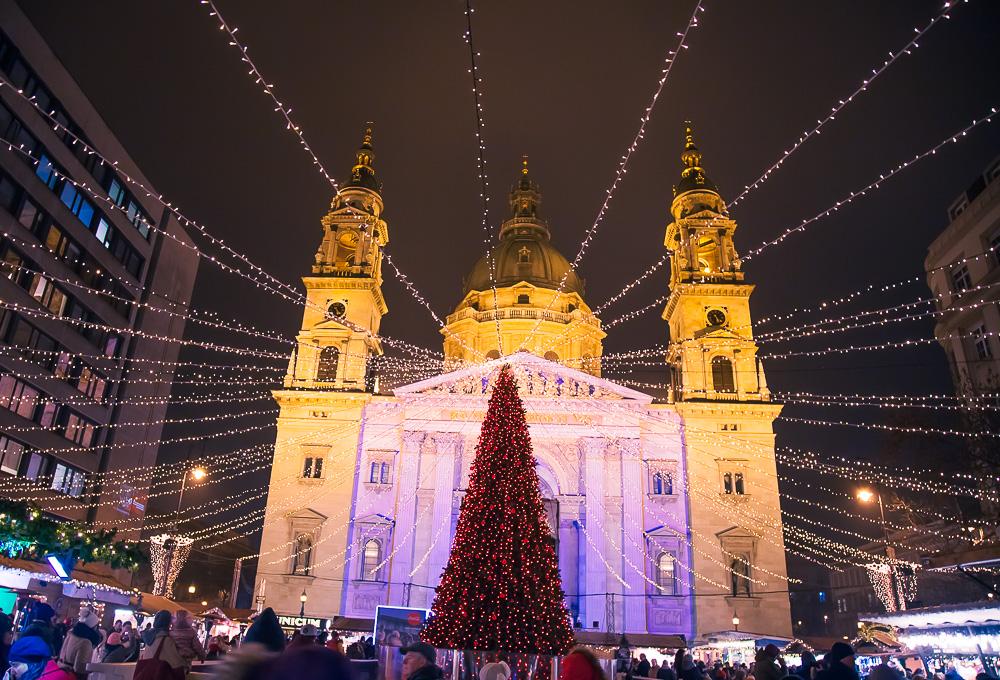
x=26 y=532
x=167 y=555
x=884 y=576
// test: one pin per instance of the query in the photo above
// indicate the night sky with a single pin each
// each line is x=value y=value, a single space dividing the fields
x=565 y=83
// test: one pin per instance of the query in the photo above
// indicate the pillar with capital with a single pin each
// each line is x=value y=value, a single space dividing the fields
x=595 y=582
x=404 y=516
x=632 y=533
x=448 y=452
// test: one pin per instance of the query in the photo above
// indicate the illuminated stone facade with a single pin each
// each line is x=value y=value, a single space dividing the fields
x=665 y=515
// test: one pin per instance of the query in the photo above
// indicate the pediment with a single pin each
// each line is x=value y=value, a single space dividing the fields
x=373 y=518
x=307 y=514
x=536 y=377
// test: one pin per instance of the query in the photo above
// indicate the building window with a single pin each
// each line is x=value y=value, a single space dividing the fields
x=302 y=555
x=19 y=397
x=722 y=375
x=981 y=339
x=524 y=255
x=90 y=382
x=11 y=453
x=68 y=480
x=739 y=568
x=666 y=574
x=312 y=468
x=370 y=559
x=329 y=358
x=663 y=484
x=379 y=473
x=523 y=299
x=733 y=483
x=80 y=430
x=960 y=278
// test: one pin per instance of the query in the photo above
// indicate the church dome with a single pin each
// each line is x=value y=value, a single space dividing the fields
x=525 y=251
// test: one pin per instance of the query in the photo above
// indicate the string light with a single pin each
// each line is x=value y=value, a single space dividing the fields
x=167 y=555
x=841 y=103
x=884 y=176
x=622 y=168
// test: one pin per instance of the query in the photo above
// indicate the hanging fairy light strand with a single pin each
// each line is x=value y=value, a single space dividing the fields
x=622 y=168
x=835 y=110
x=875 y=184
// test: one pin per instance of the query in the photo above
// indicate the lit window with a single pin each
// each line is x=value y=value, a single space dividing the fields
x=313 y=468
x=67 y=480
x=665 y=574
x=80 y=430
x=981 y=339
x=329 y=358
x=961 y=279
x=370 y=559
x=46 y=171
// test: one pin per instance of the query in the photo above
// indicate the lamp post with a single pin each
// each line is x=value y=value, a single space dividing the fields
x=302 y=598
x=895 y=596
x=736 y=621
x=191 y=589
x=197 y=474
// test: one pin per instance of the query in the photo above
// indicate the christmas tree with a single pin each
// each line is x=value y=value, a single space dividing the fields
x=501 y=588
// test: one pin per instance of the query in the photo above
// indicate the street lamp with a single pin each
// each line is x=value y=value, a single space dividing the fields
x=197 y=474
x=191 y=589
x=302 y=598
x=870 y=496
x=736 y=621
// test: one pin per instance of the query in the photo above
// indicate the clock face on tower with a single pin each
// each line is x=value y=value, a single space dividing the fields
x=349 y=239
x=716 y=317
x=337 y=310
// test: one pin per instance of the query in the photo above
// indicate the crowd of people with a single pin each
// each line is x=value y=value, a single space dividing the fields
x=49 y=650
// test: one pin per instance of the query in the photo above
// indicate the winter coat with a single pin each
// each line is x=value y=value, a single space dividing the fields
x=249 y=662
x=188 y=644
x=50 y=671
x=169 y=653
x=643 y=669
x=838 y=671
x=428 y=672
x=766 y=668
x=666 y=673
x=44 y=630
x=78 y=649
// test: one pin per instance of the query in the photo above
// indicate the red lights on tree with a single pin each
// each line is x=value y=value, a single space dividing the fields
x=501 y=588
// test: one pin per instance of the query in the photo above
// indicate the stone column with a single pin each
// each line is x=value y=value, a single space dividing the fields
x=632 y=538
x=449 y=451
x=405 y=515
x=593 y=605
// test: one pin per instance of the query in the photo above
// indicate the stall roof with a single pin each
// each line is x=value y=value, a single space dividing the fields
x=228 y=613
x=154 y=603
x=593 y=637
x=84 y=575
x=967 y=613
x=359 y=625
x=760 y=639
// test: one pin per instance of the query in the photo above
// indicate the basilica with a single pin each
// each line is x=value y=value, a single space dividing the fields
x=665 y=512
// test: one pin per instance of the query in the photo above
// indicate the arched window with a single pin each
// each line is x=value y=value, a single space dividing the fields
x=663 y=484
x=329 y=358
x=493 y=354
x=722 y=375
x=302 y=555
x=523 y=299
x=727 y=482
x=739 y=569
x=551 y=356
x=665 y=568
x=738 y=483
x=370 y=559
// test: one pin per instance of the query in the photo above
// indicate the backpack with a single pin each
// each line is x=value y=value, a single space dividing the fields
x=156 y=668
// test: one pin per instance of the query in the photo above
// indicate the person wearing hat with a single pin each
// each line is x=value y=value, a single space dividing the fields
x=78 y=646
x=40 y=624
x=163 y=647
x=306 y=636
x=840 y=663
x=420 y=662
x=30 y=659
x=581 y=664
x=768 y=664
x=262 y=645
x=186 y=638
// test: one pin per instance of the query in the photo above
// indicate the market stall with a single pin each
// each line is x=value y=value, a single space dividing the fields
x=733 y=646
x=965 y=635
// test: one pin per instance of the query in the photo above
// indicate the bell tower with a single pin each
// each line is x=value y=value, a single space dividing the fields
x=344 y=291
x=719 y=391
x=712 y=354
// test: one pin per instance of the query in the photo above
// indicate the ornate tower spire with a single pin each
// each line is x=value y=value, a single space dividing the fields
x=363 y=172
x=708 y=308
x=525 y=199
